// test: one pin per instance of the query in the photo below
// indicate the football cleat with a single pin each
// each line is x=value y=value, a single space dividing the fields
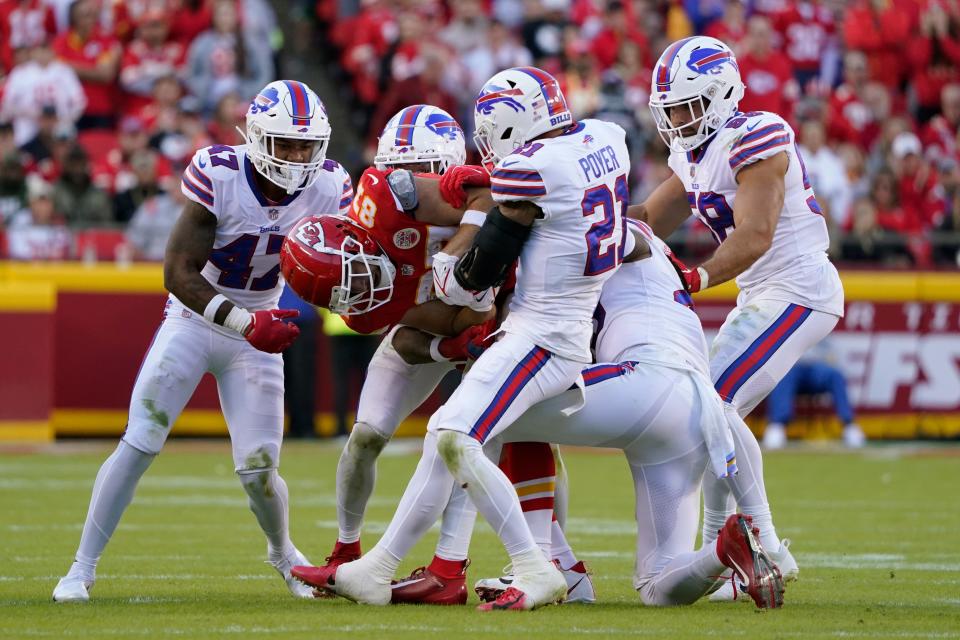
x=343 y=552
x=320 y=578
x=284 y=566
x=71 y=589
x=489 y=589
x=853 y=436
x=530 y=591
x=510 y=599
x=732 y=590
x=739 y=549
x=579 y=584
x=425 y=587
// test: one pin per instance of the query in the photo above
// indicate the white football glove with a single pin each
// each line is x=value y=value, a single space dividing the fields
x=448 y=290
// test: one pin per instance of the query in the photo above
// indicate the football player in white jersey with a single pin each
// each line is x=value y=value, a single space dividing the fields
x=562 y=191
x=223 y=273
x=742 y=175
x=653 y=398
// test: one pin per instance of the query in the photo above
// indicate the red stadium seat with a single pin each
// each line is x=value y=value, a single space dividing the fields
x=103 y=242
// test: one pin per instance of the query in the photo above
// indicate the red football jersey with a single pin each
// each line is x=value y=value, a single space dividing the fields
x=409 y=243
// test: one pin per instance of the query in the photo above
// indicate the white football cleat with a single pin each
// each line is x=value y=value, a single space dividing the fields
x=71 y=589
x=774 y=436
x=579 y=584
x=283 y=565
x=531 y=590
x=853 y=436
x=489 y=589
x=729 y=592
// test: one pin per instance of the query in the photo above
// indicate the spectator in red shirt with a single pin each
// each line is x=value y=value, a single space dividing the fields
x=731 y=28
x=617 y=30
x=424 y=88
x=880 y=28
x=807 y=31
x=189 y=18
x=366 y=39
x=23 y=24
x=850 y=119
x=115 y=174
x=229 y=114
x=940 y=134
x=767 y=74
x=160 y=113
x=920 y=193
x=151 y=56
x=95 y=58
x=934 y=57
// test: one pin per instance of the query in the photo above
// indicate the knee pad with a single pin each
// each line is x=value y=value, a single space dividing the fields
x=265 y=457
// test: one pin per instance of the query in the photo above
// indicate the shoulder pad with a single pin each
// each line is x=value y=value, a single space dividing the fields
x=404 y=187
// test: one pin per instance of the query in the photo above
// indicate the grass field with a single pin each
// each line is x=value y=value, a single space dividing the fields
x=875 y=534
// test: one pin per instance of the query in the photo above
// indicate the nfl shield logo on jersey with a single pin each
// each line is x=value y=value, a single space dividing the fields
x=273 y=214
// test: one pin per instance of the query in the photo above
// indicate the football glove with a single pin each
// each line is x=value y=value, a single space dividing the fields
x=450 y=291
x=454 y=179
x=269 y=331
x=470 y=344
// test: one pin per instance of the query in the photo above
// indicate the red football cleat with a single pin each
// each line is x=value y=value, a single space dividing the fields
x=320 y=578
x=426 y=587
x=511 y=599
x=739 y=549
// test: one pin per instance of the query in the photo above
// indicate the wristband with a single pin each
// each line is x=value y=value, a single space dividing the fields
x=435 y=350
x=239 y=320
x=704 y=278
x=474 y=217
x=210 y=311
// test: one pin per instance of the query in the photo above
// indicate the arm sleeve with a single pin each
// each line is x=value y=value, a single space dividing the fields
x=762 y=138
x=195 y=183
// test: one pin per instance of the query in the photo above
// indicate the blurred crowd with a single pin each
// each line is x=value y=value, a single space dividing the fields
x=872 y=88
x=102 y=104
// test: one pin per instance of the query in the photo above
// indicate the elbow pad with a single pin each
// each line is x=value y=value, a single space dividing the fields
x=496 y=247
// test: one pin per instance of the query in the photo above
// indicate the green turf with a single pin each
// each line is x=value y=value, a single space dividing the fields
x=875 y=534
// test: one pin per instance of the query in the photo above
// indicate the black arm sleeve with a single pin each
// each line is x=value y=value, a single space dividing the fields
x=496 y=247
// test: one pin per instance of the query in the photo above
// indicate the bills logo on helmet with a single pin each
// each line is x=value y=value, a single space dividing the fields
x=441 y=125
x=709 y=60
x=265 y=100
x=499 y=95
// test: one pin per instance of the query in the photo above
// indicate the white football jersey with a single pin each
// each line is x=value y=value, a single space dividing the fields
x=244 y=264
x=796 y=267
x=645 y=313
x=579 y=180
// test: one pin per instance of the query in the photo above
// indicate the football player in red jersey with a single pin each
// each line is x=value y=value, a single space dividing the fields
x=375 y=271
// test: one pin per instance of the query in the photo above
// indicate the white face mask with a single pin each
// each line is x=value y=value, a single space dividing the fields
x=290 y=176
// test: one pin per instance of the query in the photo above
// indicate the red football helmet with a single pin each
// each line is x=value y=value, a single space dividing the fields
x=332 y=262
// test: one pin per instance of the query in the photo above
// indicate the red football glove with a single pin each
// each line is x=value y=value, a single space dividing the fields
x=690 y=277
x=269 y=332
x=454 y=179
x=470 y=344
